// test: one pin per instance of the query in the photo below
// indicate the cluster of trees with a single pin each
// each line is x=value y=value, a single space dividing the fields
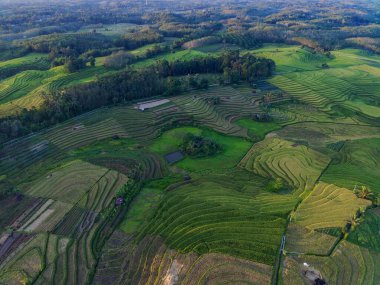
x=139 y=38
x=370 y=44
x=119 y=59
x=68 y=44
x=75 y=64
x=234 y=67
x=245 y=39
x=197 y=146
x=247 y=67
x=201 y=42
x=276 y=185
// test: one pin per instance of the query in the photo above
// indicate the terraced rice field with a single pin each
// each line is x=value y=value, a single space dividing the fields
x=140 y=126
x=68 y=184
x=340 y=203
x=356 y=164
x=205 y=220
x=151 y=262
x=70 y=230
x=351 y=88
x=212 y=217
x=367 y=233
x=25 y=89
x=349 y=264
x=320 y=134
x=103 y=192
x=327 y=206
x=296 y=164
x=33 y=61
x=183 y=55
x=220 y=117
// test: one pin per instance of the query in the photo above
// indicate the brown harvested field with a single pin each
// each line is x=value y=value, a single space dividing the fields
x=47 y=217
x=303 y=240
x=11 y=243
x=15 y=208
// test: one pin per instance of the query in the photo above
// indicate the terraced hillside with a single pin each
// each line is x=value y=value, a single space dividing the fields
x=96 y=200
x=356 y=164
x=64 y=225
x=349 y=264
x=298 y=165
x=191 y=229
x=33 y=61
x=327 y=207
x=26 y=89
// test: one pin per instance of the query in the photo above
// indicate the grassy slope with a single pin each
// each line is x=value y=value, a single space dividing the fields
x=296 y=164
x=259 y=129
x=349 y=81
x=327 y=206
x=212 y=215
x=25 y=89
x=177 y=55
x=357 y=163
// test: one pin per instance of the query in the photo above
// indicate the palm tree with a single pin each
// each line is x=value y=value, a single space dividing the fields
x=364 y=193
x=354 y=221
x=268 y=97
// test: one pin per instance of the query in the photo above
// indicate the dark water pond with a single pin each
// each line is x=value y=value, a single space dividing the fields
x=174 y=157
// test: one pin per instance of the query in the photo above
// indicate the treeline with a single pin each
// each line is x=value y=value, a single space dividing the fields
x=76 y=50
x=245 y=39
x=158 y=79
x=68 y=44
x=139 y=38
x=370 y=44
x=120 y=59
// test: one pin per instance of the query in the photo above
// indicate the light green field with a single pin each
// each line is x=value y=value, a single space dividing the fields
x=185 y=55
x=233 y=149
x=32 y=61
x=143 y=49
x=259 y=129
x=327 y=206
x=291 y=58
x=25 y=89
x=336 y=204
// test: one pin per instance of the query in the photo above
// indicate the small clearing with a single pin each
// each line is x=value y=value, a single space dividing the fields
x=151 y=104
x=171 y=276
x=39 y=216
